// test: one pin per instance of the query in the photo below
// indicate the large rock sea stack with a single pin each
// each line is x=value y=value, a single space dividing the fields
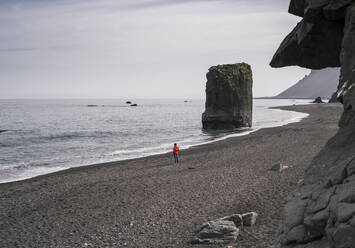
x=229 y=97
x=320 y=213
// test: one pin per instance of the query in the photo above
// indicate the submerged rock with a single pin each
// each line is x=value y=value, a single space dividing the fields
x=128 y=102
x=318 y=100
x=228 y=97
x=216 y=232
x=134 y=105
x=2 y=131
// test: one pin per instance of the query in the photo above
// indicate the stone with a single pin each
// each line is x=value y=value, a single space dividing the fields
x=216 y=232
x=228 y=97
x=278 y=167
x=318 y=100
x=236 y=218
x=128 y=102
x=3 y=131
x=134 y=105
x=249 y=219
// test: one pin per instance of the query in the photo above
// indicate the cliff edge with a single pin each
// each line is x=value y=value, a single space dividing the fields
x=320 y=213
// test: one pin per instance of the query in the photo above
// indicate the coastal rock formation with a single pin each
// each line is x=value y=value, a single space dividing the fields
x=216 y=232
x=228 y=97
x=324 y=38
x=318 y=100
x=321 y=212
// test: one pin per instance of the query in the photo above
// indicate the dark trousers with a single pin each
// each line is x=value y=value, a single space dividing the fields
x=176 y=158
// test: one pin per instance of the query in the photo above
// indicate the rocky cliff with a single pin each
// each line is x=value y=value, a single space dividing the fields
x=228 y=97
x=321 y=83
x=321 y=211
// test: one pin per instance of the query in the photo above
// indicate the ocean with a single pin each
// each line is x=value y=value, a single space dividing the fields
x=45 y=136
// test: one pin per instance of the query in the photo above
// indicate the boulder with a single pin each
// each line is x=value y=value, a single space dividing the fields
x=216 y=232
x=236 y=218
x=128 y=102
x=228 y=97
x=134 y=105
x=249 y=219
x=318 y=100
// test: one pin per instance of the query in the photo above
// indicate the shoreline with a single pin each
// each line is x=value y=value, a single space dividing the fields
x=214 y=140
x=148 y=202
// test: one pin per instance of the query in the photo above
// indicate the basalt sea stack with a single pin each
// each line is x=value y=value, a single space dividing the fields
x=229 y=99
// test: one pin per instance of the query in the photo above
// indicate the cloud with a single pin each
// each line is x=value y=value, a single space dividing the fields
x=140 y=48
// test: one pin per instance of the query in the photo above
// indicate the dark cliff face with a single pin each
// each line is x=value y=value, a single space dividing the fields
x=324 y=38
x=228 y=97
x=320 y=213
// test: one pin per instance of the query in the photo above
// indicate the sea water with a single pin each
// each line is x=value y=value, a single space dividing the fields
x=45 y=136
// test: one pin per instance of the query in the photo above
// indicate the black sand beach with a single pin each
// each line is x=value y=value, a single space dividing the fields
x=149 y=202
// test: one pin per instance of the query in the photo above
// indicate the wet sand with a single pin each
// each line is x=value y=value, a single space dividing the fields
x=149 y=202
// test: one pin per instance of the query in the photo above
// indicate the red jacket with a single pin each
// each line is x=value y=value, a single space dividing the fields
x=176 y=150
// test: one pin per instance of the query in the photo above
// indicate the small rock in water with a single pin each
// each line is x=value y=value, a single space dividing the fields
x=249 y=219
x=2 y=131
x=278 y=167
x=134 y=105
x=216 y=232
x=92 y=105
x=318 y=100
x=128 y=102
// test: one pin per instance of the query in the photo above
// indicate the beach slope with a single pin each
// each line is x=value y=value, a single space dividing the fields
x=149 y=202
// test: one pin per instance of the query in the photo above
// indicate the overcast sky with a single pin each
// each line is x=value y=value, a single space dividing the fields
x=137 y=48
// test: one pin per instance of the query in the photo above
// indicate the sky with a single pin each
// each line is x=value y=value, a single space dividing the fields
x=138 y=48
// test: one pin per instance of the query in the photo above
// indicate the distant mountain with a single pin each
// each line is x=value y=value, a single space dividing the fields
x=321 y=83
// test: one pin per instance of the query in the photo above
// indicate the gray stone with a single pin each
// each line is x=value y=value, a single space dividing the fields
x=278 y=167
x=216 y=232
x=236 y=218
x=343 y=236
x=228 y=97
x=249 y=219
